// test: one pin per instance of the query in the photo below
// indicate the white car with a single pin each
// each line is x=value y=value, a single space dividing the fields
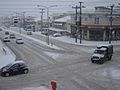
x=56 y=35
x=19 y=41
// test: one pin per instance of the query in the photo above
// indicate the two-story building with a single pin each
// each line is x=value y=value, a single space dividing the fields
x=96 y=26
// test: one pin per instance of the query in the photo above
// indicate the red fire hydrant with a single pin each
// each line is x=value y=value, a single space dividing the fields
x=53 y=84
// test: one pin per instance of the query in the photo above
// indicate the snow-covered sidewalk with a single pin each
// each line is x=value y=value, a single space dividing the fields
x=66 y=39
x=84 y=42
x=70 y=40
x=6 y=55
x=31 y=38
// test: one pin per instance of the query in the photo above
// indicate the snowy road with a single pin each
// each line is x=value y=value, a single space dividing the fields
x=70 y=66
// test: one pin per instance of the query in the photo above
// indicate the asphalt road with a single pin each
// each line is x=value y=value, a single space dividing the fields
x=70 y=67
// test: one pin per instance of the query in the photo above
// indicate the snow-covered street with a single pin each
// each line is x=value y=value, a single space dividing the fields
x=65 y=61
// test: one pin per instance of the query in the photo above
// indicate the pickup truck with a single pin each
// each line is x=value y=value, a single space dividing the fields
x=102 y=53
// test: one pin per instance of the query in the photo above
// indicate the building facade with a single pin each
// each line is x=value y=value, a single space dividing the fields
x=96 y=26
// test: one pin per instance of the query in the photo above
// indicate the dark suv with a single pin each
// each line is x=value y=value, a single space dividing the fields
x=17 y=67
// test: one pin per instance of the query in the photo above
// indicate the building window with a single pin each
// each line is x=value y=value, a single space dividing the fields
x=96 y=20
x=85 y=18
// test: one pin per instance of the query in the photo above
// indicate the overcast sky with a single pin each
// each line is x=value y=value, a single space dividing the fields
x=10 y=7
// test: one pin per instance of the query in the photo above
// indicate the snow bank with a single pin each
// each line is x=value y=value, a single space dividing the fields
x=37 y=40
x=67 y=39
x=35 y=88
x=6 y=55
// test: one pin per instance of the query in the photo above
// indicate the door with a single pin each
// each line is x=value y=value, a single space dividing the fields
x=14 y=69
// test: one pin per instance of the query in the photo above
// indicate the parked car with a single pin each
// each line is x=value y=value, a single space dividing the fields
x=12 y=36
x=6 y=33
x=19 y=41
x=56 y=35
x=0 y=29
x=6 y=39
x=14 y=68
x=29 y=32
x=44 y=32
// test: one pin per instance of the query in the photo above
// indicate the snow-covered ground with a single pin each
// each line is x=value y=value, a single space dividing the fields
x=34 y=88
x=66 y=39
x=6 y=55
x=84 y=42
x=69 y=40
x=37 y=40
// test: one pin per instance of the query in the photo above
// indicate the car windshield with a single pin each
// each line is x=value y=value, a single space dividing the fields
x=99 y=52
x=8 y=66
x=19 y=39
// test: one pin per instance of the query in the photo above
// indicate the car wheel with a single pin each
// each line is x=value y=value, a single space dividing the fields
x=25 y=71
x=101 y=62
x=7 y=74
x=110 y=58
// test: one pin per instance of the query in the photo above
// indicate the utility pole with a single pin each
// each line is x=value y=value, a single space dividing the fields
x=80 y=22
x=47 y=7
x=42 y=11
x=77 y=25
x=23 y=19
x=111 y=19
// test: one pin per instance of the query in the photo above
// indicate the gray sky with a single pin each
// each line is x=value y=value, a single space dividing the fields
x=10 y=7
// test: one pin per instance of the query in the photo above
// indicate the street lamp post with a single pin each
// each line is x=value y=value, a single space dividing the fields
x=111 y=19
x=76 y=18
x=42 y=11
x=47 y=8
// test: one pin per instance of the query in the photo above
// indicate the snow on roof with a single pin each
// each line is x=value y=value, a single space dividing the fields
x=18 y=62
x=104 y=45
x=103 y=49
x=64 y=19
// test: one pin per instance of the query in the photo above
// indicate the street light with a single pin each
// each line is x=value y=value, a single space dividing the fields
x=20 y=20
x=111 y=20
x=47 y=7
